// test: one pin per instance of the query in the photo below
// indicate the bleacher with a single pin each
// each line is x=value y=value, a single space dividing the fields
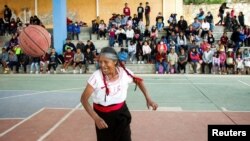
x=136 y=68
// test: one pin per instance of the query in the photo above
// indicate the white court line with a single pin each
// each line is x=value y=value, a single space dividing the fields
x=58 y=123
x=12 y=118
x=21 y=122
x=36 y=93
x=243 y=82
x=224 y=109
x=21 y=90
x=189 y=83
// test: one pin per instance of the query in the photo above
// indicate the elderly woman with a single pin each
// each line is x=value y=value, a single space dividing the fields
x=108 y=86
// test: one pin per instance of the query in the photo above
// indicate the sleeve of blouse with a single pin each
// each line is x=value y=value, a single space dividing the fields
x=94 y=79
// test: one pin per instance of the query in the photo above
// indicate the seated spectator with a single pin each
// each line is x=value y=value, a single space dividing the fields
x=53 y=56
x=24 y=61
x=230 y=61
x=162 y=47
x=159 y=22
x=80 y=45
x=210 y=38
x=141 y=26
x=172 y=61
x=135 y=21
x=13 y=42
x=182 y=24
x=246 y=31
x=146 y=52
x=204 y=45
x=207 y=60
x=4 y=60
x=223 y=58
x=201 y=15
x=139 y=52
x=44 y=62
x=137 y=35
x=70 y=45
x=246 y=58
x=131 y=51
x=121 y=35
x=112 y=37
x=195 y=59
x=196 y=25
x=89 y=45
x=181 y=42
x=13 y=61
x=123 y=56
x=129 y=35
x=68 y=59
x=182 y=60
x=205 y=26
x=78 y=60
x=210 y=20
x=153 y=34
x=88 y=59
x=161 y=60
x=224 y=39
x=34 y=67
x=102 y=30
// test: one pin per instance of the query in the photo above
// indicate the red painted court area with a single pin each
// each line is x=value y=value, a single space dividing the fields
x=76 y=125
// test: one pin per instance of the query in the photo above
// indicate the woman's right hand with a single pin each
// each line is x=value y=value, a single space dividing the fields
x=100 y=123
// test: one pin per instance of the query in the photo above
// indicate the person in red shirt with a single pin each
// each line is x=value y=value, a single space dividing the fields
x=126 y=10
x=224 y=39
x=68 y=59
x=195 y=59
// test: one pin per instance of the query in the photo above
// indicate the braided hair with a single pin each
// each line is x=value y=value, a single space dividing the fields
x=110 y=53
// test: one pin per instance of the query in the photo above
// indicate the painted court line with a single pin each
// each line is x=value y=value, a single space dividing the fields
x=224 y=109
x=243 y=82
x=36 y=93
x=58 y=123
x=21 y=122
x=12 y=118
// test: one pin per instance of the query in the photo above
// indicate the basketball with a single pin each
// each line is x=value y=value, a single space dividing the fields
x=34 y=40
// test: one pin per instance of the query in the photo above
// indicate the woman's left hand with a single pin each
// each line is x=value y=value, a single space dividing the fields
x=152 y=104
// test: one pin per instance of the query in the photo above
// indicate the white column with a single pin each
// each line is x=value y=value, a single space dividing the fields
x=164 y=10
x=24 y=15
x=36 y=8
x=97 y=7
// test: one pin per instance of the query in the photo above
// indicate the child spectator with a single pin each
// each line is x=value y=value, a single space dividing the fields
x=172 y=61
x=76 y=31
x=195 y=59
x=239 y=62
x=223 y=57
x=123 y=56
x=102 y=30
x=53 y=56
x=139 y=52
x=131 y=51
x=216 y=63
x=159 y=22
x=146 y=52
x=78 y=60
x=210 y=38
x=121 y=34
x=112 y=37
x=230 y=61
x=13 y=61
x=161 y=60
x=89 y=59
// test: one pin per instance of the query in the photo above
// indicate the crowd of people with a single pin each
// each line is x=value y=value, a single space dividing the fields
x=183 y=43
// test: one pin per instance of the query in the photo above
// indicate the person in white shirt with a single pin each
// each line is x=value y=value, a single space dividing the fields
x=132 y=51
x=207 y=58
x=205 y=26
x=129 y=34
x=108 y=87
x=102 y=30
x=146 y=52
x=121 y=34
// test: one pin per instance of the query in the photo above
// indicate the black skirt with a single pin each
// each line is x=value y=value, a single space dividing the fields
x=118 y=125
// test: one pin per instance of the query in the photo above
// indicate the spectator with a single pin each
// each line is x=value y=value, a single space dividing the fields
x=162 y=47
x=121 y=35
x=126 y=11
x=161 y=60
x=210 y=20
x=223 y=57
x=236 y=38
x=13 y=61
x=181 y=42
x=123 y=56
x=102 y=30
x=89 y=45
x=216 y=63
x=195 y=59
x=78 y=60
x=13 y=42
x=132 y=51
x=147 y=14
x=153 y=34
x=196 y=25
x=35 y=65
x=70 y=45
x=139 y=52
x=112 y=37
x=230 y=61
x=76 y=31
x=53 y=57
x=89 y=59
x=172 y=61
x=228 y=22
x=205 y=26
x=135 y=21
x=2 y=27
x=146 y=52
x=7 y=13
x=200 y=16
x=246 y=58
x=239 y=62
x=182 y=24
x=12 y=26
x=80 y=45
x=36 y=20
x=224 y=39
x=207 y=59
x=241 y=19
x=159 y=22
x=4 y=60
x=44 y=59
x=182 y=60
x=141 y=26
x=221 y=12
x=210 y=38
x=129 y=35
x=24 y=61
x=68 y=59
x=140 y=11
x=204 y=45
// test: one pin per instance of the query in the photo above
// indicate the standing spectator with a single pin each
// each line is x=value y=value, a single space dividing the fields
x=7 y=12
x=126 y=11
x=228 y=22
x=221 y=12
x=140 y=11
x=223 y=58
x=131 y=51
x=159 y=22
x=102 y=30
x=207 y=59
x=52 y=60
x=210 y=20
x=147 y=14
x=78 y=60
x=146 y=52
x=182 y=60
x=246 y=58
x=241 y=19
x=235 y=37
x=76 y=31
x=112 y=37
x=141 y=26
x=2 y=27
x=182 y=24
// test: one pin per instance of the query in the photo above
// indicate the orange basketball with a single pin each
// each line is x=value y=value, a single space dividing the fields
x=34 y=40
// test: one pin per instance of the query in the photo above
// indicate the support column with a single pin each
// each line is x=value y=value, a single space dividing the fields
x=164 y=11
x=97 y=8
x=59 y=24
x=36 y=13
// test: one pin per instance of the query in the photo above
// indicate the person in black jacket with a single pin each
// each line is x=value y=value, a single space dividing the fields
x=241 y=19
x=221 y=12
x=182 y=24
x=140 y=11
x=7 y=12
x=53 y=57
